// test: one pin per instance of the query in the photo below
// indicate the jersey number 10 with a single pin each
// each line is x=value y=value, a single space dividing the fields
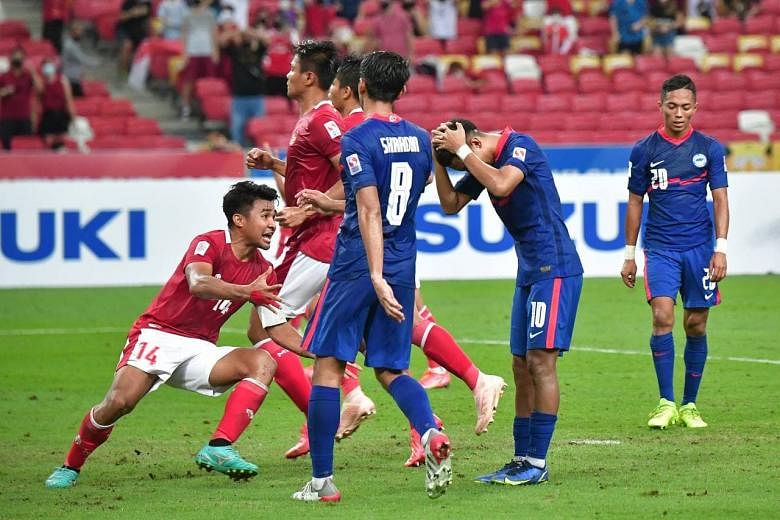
x=400 y=186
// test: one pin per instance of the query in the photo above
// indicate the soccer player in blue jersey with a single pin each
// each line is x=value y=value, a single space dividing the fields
x=369 y=293
x=673 y=166
x=514 y=171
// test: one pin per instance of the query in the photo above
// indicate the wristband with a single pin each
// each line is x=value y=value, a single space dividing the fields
x=721 y=245
x=463 y=152
x=629 y=253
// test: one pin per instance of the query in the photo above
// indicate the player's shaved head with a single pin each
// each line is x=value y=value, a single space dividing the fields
x=242 y=195
x=319 y=57
x=349 y=74
x=384 y=73
x=449 y=159
x=677 y=82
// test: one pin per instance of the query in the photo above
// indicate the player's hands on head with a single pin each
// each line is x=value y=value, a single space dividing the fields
x=628 y=273
x=291 y=216
x=260 y=158
x=261 y=293
x=387 y=299
x=449 y=136
x=718 y=267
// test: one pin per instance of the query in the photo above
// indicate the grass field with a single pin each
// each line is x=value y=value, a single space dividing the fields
x=59 y=348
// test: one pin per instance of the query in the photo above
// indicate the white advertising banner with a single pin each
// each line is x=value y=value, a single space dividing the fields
x=133 y=232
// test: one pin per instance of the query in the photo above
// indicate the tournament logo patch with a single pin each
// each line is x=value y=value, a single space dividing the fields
x=353 y=163
x=201 y=247
x=333 y=129
x=519 y=153
x=700 y=160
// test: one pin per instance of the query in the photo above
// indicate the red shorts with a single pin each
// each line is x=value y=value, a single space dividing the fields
x=198 y=67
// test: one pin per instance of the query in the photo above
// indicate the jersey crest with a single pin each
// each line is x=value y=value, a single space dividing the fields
x=333 y=129
x=353 y=161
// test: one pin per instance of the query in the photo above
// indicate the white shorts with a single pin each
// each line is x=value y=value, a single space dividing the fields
x=179 y=361
x=304 y=280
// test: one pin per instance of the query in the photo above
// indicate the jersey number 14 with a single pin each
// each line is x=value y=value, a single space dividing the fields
x=400 y=186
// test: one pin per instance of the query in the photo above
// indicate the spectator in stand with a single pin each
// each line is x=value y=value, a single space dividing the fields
x=666 y=20
x=246 y=50
x=742 y=9
x=705 y=8
x=419 y=21
x=240 y=12
x=276 y=65
x=132 y=29
x=628 y=19
x=201 y=50
x=473 y=79
x=55 y=14
x=171 y=14
x=57 y=106
x=393 y=29
x=443 y=20
x=317 y=16
x=475 y=9
x=496 y=25
x=348 y=9
x=16 y=89
x=74 y=58
x=560 y=28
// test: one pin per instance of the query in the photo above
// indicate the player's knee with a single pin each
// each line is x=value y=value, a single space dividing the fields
x=541 y=364
x=663 y=318
x=695 y=325
x=116 y=405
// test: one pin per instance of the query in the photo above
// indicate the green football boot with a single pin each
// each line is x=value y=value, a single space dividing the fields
x=664 y=415
x=62 y=478
x=690 y=416
x=226 y=460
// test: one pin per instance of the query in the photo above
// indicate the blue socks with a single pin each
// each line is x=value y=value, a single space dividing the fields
x=542 y=428
x=323 y=422
x=663 y=358
x=695 y=357
x=522 y=434
x=413 y=402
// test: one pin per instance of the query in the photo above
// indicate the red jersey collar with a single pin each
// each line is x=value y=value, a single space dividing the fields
x=502 y=140
x=674 y=140
x=357 y=110
x=321 y=103
x=392 y=118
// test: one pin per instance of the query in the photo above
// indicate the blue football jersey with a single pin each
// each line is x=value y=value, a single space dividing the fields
x=395 y=156
x=531 y=213
x=674 y=173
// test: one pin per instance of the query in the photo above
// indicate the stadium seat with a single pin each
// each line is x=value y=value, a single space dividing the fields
x=142 y=126
x=483 y=103
x=108 y=126
x=697 y=25
x=770 y=7
x=726 y=43
x=424 y=46
x=649 y=102
x=275 y=105
x=626 y=80
x=518 y=103
x=39 y=48
x=583 y=121
x=205 y=87
x=88 y=106
x=16 y=29
x=483 y=62
x=454 y=85
x=553 y=103
x=117 y=108
x=681 y=65
x=216 y=108
x=619 y=102
x=462 y=45
x=613 y=62
x=726 y=26
x=421 y=84
x=521 y=66
x=753 y=43
x=584 y=62
x=526 y=86
x=469 y=27
x=167 y=142
x=450 y=105
x=547 y=121
x=593 y=44
x=27 y=142
x=525 y=44
x=715 y=60
x=727 y=80
x=593 y=81
x=494 y=82
x=557 y=82
x=710 y=118
x=95 y=88
x=489 y=122
x=646 y=63
x=760 y=24
x=759 y=80
x=596 y=102
x=553 y=63
x=91 y=10
x=747 y=61
x=409 y=103
x=594 y=26
x=689 y=46
x=756 y=122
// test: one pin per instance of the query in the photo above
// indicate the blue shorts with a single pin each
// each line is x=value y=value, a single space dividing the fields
x=543 y=314
x=687 y=272
x=349 y=311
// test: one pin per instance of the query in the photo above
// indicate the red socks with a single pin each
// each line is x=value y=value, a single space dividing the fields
x=240 y=408
x=350 y=380
x=289 y=374
x=90 y=436
x=439 y=345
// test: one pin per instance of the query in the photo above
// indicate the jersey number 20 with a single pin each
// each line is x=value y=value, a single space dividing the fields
x=400 y=186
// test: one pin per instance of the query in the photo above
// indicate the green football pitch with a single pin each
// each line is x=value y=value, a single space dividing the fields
x=58 y=348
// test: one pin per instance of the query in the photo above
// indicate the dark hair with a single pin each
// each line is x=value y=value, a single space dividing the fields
x=242 y=195
x=446 y=157
x=349 y=73
x=320 y=58
x=385 y=74
x=677 y=82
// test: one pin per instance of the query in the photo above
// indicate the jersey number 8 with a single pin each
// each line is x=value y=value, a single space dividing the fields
x=400 y=186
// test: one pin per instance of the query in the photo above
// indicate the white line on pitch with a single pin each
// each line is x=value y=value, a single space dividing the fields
x=465 y=341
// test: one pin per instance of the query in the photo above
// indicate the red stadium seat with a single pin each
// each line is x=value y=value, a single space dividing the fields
x=447 y=104
x=594 y=25
x=557 y=82
x=39 y=48
x=16 y=29
x=216 y=108
x=596 y=102
x=623 y=101
x=462 y=45
x=409 y=103
x=546 y=121
x=211 y=87
x=526 y=86
x=762 y=100
x=483 y=103
x=725 y=26
x=760 y=24
x=425 y=120
x=709 y=119
x=169 y=142
x=596 y=44
x=646 y=63
x=425 y=46
x=454 y=85
x=469 y=27
x=723 y=79
x=649 y=102
x=421 y=84
x=27 y=142
x=772 y=62
x=108 y=126
x=729 y=100
x=142 y=126
x=618 y=120
x=277 y=105
x=93 y=9
x=88 y=107
x=94 y=88
x=493 y=82
x=583 y=121
x=553 y=63
x=629 y=81
x=488 y=122
x=680 y=65
x=761 y=80
x=117 y=108
x=725 y=42
x=591 y=81
x=554 y=103
x=518 y=103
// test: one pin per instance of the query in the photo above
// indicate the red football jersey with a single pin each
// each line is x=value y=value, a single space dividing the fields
x=315 y=139
x=177 y=311
x=353 y=119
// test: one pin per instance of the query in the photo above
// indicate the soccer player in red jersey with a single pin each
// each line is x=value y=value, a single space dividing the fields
x=312 y=162
x=434 y=340
x=173 y=341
